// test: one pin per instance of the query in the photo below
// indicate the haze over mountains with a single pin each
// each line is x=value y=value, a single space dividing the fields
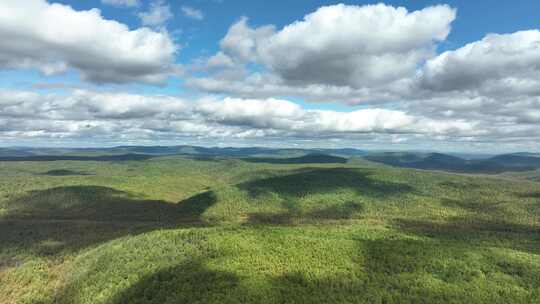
x=445 y=162
x=522 y=161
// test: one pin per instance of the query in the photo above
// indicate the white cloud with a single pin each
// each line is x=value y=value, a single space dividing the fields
x=158 y=14
x=125 y=106
x=494 y=80
x=220 y=60
x=103 y=51
x=241 y=41
x=124 y=3
x=271 y=113
x=83 y=116
x=207 y=117
x=192 y=13
x=486 y=92
x=356 y=53
x=504 y=61
x=236 y=82
x=355 y=46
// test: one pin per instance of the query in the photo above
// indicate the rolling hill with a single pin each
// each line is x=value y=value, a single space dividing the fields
x=306 y=159
x=311 y=229
x=445 y=162
x=175 y=150
x=515 y=162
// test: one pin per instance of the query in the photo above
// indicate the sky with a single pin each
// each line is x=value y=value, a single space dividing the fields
x=460 y=76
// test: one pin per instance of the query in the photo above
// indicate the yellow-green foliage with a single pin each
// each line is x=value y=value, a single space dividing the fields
x=178 y=230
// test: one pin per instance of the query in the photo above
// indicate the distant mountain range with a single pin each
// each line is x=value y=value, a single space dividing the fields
x=179 y=150
x=420 y=160
x=445 y=162
x=115 y=157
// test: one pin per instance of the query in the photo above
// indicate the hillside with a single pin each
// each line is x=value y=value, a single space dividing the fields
x=306 y=159
x=469 y=163
x=226 y=230
x=518 y=160
x=7 y=153
x=445 y=162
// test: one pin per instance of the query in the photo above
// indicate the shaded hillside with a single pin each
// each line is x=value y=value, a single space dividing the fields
x=518 y=160
x=515 y=162
x=63 y=172
x=237 y=151
x=306 y=159
x=121 y=157
x=176 y=150
x=439 y=161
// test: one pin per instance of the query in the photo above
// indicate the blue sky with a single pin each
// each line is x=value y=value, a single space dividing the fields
x=272 y=73
x=474 y=20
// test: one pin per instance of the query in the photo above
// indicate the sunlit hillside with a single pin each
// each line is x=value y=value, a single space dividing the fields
x=224 y=230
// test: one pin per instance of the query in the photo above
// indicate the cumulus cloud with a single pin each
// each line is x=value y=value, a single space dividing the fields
x=103 y=51
x=356 y=46
x=157 y=15
x=494 y=80
x=124 y=3
x=125 y=106
x=239 y=82
x=484 y=92
x=85 y=105
x=241 y=41
x=507 y=61
x=192 y=13
x=361 y=50
x=139 y=117
x=84 y=116
x=220 y=60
